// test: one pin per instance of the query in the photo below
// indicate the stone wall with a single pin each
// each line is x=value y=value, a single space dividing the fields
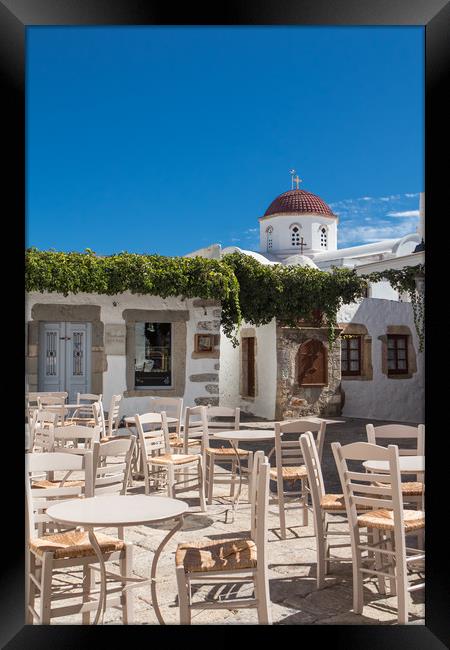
x=205 y=379
x=294 y=400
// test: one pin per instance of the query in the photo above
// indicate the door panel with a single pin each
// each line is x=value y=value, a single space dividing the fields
x=64 y=358
x=78 y=369
x=51 y=357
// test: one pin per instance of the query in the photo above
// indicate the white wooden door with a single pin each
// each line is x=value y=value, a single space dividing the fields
x=64 y=359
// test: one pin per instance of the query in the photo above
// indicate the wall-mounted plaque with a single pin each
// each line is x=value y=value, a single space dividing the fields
x=204 y=342
x=115 y=339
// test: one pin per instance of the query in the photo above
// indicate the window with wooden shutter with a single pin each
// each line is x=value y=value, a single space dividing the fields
x=312 y=364
x=397 y=354
x=350 y=354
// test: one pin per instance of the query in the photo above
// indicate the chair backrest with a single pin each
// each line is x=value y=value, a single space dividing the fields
x=88 y=398
x=232 y=415
x=172 y=406
x=310 y=454
x=113 y=415
x=77 y=434
x=53 y=403
x=112 y=463
x=155 y=441
x=86 y=402
x=288 y=452
x=42 y=430
x=376 y=435
x=259 y=499
x=39 y=499
x=372 y=490
x=32 y=399
x=196 y=424
x=99 y=416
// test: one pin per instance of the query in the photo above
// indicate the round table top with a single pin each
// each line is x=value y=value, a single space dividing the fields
x=245 y=436
x=266 y=424
x=150 y=418
x=407 y=464
x=116 y=510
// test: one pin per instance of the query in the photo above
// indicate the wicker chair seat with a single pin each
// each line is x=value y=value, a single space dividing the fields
x=179 y=443
x=73 y=543
x=44 y=484
x=410 y=488
x=384 y=519
x=217 y=555
x=226 y=451
x=173 y=459
x=335 y=502
x=289 y=472
x=87 y=422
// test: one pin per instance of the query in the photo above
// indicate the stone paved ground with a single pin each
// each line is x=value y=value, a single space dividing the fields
x=292 y=563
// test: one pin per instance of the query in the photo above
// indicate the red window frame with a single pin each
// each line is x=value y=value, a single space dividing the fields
x=345 y=343
x=395 y=356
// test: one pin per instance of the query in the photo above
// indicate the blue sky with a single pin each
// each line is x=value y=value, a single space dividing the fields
x=166 y=139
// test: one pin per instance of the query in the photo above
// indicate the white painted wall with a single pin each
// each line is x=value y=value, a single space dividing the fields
x=229 y=373
x=383 y=290
x=114 y=378
x=383 y=398
x=263 y=405
x=309 y=230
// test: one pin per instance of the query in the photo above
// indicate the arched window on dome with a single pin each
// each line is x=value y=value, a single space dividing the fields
x=295 y=236
x=323 y=237
x=269 y=231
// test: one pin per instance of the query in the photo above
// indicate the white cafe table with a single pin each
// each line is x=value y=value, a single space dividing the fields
x=267 y=424
x=121 y=510
x=407 y=465
x=235 y=437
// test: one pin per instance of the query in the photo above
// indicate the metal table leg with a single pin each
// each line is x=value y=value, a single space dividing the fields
x=170 y=534
x=102 y=598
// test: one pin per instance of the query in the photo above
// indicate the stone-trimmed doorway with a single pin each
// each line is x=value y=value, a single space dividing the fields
x=66 y=313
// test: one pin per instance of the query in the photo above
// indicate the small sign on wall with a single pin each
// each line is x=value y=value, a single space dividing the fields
x=115 y=339
x=204 y=342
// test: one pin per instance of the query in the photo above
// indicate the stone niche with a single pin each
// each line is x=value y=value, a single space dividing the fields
x=297 y=395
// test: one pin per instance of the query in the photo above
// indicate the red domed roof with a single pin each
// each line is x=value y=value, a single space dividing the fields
x=298 y=202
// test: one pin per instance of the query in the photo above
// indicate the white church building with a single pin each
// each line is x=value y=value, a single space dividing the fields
x=374 y=370
x=141 y=345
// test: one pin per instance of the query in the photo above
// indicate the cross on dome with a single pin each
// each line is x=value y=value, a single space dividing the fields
x=295 y=179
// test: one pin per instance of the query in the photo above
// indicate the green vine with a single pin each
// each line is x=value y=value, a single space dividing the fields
x=247 y=289
x=404 y=281
x=188 y=277
x=293 y=293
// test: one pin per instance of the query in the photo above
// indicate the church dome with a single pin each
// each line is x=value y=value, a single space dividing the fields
x=298 y=202
x=299 y=260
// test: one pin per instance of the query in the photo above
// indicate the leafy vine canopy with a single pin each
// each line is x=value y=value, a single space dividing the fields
x=404 y=281
x=247 y=289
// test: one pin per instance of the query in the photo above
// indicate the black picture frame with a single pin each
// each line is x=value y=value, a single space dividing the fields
x=434 y=15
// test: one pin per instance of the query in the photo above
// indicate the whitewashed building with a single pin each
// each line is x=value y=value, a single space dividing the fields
x=374 y=370
x=133 y=345
x=141 y=346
